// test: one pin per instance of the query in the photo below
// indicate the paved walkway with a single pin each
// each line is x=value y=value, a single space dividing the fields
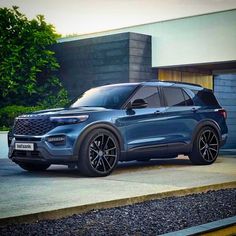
x=23 y=193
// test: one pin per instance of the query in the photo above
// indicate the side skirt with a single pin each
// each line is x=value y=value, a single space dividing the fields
x=158 y=151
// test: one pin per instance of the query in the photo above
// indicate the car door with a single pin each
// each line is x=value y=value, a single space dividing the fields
x=141 y=125
x=180 y=117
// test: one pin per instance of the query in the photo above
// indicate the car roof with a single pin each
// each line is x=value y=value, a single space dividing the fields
x=174 y=84
x=120 y=84
x=162 y=84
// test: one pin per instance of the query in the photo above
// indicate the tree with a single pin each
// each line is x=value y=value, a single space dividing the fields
x=27 y=65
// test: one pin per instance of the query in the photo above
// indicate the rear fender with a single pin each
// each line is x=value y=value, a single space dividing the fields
x=204 y=123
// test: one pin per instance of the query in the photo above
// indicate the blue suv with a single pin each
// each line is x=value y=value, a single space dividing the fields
x=122 y=122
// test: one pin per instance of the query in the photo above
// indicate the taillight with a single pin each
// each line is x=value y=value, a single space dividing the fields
x=223 y=112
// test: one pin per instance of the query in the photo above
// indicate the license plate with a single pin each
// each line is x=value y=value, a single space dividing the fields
x=24 y=146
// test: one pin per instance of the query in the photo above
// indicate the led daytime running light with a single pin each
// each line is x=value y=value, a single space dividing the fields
x=69 y=119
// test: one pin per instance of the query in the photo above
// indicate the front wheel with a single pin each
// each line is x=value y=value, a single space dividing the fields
x=33 y=167
x=99 y=153
x=205 y=147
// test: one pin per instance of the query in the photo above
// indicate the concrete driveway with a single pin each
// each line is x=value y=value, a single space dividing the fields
x=24 y=193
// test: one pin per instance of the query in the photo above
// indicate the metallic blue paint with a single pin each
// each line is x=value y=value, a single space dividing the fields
x=155 y=132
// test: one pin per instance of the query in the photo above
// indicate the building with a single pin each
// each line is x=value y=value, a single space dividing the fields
x=199 y=49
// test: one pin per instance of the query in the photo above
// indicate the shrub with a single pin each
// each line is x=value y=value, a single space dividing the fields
x=54 y=101
x=8 y=113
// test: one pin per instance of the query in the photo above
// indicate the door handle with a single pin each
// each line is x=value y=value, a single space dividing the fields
x=193 y=109
x=157 y=112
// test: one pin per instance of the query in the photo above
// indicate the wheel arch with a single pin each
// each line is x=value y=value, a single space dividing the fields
x=205 y=123
x=101 y=125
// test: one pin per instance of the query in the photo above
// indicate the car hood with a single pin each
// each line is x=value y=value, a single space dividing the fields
x=66 y=111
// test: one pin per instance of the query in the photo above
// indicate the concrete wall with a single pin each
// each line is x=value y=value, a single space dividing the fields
x=225 y=91
x=88 y=63
x=191 y=40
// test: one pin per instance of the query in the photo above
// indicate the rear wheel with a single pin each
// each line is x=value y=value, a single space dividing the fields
x=205 y=147
x=99 y=153
x=33 y=167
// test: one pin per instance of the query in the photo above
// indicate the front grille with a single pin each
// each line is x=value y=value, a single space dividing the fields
x=27 y=154
x=33 y=139
x=37 y=125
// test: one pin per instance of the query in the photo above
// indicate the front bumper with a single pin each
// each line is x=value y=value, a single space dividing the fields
x=44 y=151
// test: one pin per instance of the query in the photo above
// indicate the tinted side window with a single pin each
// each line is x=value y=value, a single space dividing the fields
x=149 y=94
x=206 y=98
x=188 y=100
x=111 y=97
x=174 y=96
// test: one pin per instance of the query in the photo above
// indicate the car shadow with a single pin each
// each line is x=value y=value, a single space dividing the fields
x=153 y=164
x=132 y=166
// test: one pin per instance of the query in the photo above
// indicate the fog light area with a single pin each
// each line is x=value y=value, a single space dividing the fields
x=57 y=140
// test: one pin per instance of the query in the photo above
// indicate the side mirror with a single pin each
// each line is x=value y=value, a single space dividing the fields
x=138 y=103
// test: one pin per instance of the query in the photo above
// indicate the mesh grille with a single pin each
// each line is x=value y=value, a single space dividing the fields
x=26 y=154
x=32 y=126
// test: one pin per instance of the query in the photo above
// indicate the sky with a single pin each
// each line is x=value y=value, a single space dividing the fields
x=88 y=16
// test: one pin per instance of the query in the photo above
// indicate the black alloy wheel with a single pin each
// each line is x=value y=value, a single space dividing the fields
x=99 y=154
x=205 y=147
x=103 y=153
x=208 y=145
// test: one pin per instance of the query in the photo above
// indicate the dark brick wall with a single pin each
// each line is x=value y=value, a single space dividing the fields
x=140 y=51
x=118 y=58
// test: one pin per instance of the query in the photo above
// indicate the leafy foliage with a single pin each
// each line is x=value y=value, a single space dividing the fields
x=53 y=101
x=8 y=113
x=27 y=65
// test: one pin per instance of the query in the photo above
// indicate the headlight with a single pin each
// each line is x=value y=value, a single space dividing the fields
x=68 y=119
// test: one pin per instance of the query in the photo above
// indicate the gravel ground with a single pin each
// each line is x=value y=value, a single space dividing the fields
x=148 y=218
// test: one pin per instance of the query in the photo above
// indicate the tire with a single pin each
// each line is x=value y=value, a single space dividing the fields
x=205 y=147
x=33 y=167
x=99 y=153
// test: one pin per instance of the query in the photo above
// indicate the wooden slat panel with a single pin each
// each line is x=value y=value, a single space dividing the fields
x=189 y=77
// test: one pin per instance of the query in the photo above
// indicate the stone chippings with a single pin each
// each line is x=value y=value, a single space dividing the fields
x=147 y=218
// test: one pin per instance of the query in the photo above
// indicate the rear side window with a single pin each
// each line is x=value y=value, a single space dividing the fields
x=174 y=96
x=205 y=98
x=188 y=100
x=149 y=94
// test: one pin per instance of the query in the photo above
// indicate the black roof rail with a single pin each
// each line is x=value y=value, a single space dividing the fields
x=179 y=82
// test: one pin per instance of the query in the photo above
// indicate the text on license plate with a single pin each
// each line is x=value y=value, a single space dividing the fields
x=24 y=146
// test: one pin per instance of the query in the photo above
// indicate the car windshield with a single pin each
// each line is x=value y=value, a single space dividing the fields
x=111 y=97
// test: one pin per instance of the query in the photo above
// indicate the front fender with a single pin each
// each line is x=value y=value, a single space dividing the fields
x=104 y=125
